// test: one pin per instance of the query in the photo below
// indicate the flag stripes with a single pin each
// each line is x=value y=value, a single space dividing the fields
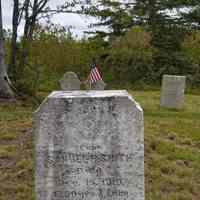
x=94 y=74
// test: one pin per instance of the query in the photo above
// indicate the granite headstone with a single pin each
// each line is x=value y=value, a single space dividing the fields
x=98 y=85
x=89 y=146
x=70 y=81
x=172 y=93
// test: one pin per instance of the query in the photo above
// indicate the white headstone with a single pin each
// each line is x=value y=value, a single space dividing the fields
x=89 y=146
x=172 y=94
x=70 y=81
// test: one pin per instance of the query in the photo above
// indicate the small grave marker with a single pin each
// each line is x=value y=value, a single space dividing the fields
x=70 y=81
x=172 y=94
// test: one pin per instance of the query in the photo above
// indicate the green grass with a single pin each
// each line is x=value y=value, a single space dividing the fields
x=16 y=152
x=172 y=149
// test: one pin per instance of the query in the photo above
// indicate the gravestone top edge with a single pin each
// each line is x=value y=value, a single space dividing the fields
x=88 y=94
x=174 y=76
x=77 y=94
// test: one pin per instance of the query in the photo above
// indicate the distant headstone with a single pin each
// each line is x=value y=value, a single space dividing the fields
x=98 y=85
x=70 y=81
x=89 y=146
x=172 y=94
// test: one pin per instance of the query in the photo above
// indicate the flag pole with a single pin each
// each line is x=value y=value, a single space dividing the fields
x=90 y=85
x=93 y=63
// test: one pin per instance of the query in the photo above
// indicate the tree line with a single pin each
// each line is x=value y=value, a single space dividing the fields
x=141 y=40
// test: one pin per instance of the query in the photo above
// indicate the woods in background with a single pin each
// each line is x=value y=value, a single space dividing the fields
x=142 y=40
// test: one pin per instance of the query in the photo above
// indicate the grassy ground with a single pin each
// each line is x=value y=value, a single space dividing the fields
x=172 y=149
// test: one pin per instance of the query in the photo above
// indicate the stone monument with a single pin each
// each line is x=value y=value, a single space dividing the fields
x=70 y=81
x=89 y=145
x=98 y=85
x=172 y=94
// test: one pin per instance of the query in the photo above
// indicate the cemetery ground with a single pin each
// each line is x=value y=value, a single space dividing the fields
x=172 y=149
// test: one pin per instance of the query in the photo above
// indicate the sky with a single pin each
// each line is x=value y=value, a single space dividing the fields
x=79 y=24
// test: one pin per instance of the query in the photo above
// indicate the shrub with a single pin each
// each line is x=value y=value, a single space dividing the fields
x=191 y=49
x=130 y=58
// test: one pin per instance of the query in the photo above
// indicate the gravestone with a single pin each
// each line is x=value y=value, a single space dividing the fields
x=172 y=94
x=70 y=81
x=98 y=85
x=89 y=146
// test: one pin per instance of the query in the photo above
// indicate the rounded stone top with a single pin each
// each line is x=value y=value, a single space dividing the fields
x=70 y=75
x=70 y=81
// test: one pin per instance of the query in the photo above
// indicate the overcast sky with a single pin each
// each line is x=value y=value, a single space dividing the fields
x=79 y=23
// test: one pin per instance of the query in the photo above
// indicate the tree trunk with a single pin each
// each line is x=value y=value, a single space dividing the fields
x=5 y=90
x=15 y=23
x=30 y=23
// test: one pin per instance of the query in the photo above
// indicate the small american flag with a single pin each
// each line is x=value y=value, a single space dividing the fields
x=94 y=75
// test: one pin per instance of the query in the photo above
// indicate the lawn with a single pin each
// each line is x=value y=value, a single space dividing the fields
x=172 y=149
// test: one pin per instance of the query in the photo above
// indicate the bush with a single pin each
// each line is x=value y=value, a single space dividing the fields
x=191 y=50
x=130 y=58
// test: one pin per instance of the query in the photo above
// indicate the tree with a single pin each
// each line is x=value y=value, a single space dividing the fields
x=113 y=15
x=5 y=90
x=191 y=49
x=131 y=60
x=15 y=24
x=167 y=20
x=31 y=11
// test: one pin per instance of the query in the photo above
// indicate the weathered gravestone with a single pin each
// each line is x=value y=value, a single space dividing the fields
x=98 y=85
x=172 y=94
x=70 y=81
x=89 y=146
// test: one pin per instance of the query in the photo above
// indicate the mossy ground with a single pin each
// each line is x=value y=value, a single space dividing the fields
x=172 y=149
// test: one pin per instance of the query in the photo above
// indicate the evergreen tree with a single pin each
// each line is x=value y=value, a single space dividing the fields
x=166 y=26
x=112 y=15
